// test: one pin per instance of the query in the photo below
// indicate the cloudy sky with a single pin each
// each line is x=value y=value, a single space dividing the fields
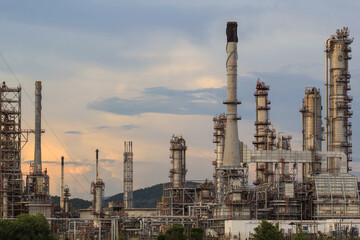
x=114 y=71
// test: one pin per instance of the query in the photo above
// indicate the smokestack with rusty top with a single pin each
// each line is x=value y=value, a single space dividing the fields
x=37 y=153
x=232 y=149
x=62 y=184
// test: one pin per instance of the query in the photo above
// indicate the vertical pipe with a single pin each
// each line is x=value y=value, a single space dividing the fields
x=326 y=95
x=97 y=164
x=37 y=152
x=62 y=184
x=232 y=150
x=5 y=197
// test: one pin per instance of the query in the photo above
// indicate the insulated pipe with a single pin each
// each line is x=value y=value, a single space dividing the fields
x=37 y=152
x=62 y=184
x=231 y=150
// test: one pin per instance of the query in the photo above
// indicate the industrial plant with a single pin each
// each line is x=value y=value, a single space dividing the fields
x=311 y=188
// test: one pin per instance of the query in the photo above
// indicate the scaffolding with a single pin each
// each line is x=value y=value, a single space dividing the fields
x=178 y=200
x=11 y=181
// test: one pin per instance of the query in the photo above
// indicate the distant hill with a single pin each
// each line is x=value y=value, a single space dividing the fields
x=77 y=203
x=143 y=198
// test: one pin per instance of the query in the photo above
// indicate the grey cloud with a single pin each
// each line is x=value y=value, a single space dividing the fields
x=73 y=132
x=51 y=162
x=128 y=127
x=102 y=127
x=164 y=100
x=122 y=127
x=104 y=160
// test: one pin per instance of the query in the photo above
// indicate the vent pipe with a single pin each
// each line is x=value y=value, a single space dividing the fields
x=97 y=165
x=62 y=184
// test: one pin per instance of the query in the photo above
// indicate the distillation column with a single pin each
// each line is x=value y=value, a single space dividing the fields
x=311 y=129
x=128 y=175
x=219 y=139
x=338 y=127
x=232 y=148
x=178 y=159
x=264 y=135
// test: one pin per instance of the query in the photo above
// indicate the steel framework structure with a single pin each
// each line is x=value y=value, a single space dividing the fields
x=11 y=181
x=128 y=175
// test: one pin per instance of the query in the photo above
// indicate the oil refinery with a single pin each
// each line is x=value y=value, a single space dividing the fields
x=311 y=188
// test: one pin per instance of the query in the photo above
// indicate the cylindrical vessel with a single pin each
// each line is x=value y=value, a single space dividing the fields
x=37 y=152
x=231 y=149
x=177 y=154
x=99 y=198
x=312 y=131
x=339 y=134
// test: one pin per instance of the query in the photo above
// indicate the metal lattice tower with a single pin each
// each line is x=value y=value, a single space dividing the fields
x=338 y=109
x=10 y=151
x=128 y=175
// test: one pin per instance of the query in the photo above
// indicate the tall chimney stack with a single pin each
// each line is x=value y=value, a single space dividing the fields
x=231 y=149
x=62 y=184
x=37 y=153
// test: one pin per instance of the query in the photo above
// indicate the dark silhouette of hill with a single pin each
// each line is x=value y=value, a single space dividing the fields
x=143 y=198
x=77 y=203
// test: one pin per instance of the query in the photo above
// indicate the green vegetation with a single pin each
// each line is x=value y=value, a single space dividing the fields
x=196 y=233
x=176 y=232
x=26 y=227
x=299 y=234
x=77 y=203
x=267 y=230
